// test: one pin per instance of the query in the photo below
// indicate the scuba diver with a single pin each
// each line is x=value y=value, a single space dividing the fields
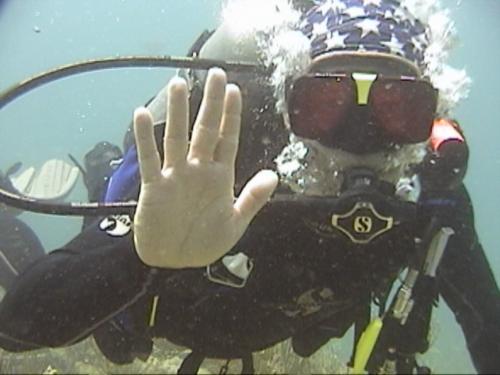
x=52 y=182
x=357 y=179
x=19 y=244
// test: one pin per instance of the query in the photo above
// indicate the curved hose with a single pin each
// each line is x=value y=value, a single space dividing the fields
x=21 y=88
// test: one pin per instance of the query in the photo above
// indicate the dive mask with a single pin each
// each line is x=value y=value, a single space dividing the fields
x=359 y=112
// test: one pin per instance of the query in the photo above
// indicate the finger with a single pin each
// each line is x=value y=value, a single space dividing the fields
x=206 y=127
x=176 y=132
x=147 y=154
x=227 y=147
x=254 y=196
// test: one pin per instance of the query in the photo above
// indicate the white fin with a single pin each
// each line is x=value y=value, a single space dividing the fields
x=23 y=181
x=54 y=181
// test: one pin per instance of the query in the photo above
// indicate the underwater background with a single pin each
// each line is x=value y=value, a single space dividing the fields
x=71 y=115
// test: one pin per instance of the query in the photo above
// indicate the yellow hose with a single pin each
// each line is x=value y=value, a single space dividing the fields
x=365 y=346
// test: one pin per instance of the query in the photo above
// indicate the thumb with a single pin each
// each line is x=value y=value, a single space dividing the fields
x=255 y=195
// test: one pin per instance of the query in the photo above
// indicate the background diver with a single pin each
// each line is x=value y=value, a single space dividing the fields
x=370 y=183
x=52 y=182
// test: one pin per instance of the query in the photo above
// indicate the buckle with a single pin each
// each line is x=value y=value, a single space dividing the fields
x=231 y=270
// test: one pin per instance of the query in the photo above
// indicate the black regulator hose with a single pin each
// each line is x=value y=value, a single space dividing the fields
x=11 y=198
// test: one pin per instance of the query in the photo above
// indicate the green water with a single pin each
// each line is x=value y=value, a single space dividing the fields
x=71 y=115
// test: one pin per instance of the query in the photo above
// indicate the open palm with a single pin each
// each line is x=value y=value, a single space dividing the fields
x=187 y=215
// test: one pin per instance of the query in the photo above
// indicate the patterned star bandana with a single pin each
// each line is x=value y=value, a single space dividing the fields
x=365 y=25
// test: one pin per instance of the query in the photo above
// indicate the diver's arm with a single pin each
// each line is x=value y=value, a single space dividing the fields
x=61 y=298
x=467 y=284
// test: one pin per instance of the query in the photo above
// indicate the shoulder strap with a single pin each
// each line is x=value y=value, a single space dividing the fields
x=192 y=363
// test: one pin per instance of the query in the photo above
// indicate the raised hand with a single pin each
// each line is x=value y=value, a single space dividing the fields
x=187 y=215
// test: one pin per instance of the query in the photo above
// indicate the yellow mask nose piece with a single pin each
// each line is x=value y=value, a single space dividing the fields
x=364 y=82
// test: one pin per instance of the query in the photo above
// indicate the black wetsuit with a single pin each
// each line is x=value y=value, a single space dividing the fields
x=19 y=245
x=302 y=285
x=19 y=248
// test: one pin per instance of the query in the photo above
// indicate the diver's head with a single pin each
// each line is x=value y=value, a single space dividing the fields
x=362 y=101
x=362 y=91
x=350 y=85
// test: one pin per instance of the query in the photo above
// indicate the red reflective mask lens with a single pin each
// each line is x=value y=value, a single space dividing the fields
x=402 y=109
x=318 y=105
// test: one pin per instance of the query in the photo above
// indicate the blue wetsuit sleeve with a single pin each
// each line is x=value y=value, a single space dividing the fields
x=468 y=286
x=64 y=296
x=124 y=181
